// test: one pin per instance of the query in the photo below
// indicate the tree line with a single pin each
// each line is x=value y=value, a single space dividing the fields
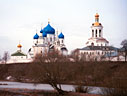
x=56 y=69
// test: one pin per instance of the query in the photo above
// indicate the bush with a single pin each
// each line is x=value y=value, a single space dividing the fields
x=114 y=92
x=82 y=89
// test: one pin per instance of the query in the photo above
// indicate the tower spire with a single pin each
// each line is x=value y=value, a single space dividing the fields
x=19 y=41
x=19 y=46
x=41 y=25
x=36 y=30
x=96 y=17
x=57 y=32
x=48 y=21
x=96 y=20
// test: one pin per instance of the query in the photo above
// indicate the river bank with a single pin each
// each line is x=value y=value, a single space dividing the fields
x=30 y=87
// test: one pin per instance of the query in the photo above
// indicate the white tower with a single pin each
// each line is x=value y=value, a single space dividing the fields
x=50 y=33
x=97 y=34
x=61 y=39
x=40 y=39
x=44 y=38
x=35 y=39
x=97 y=28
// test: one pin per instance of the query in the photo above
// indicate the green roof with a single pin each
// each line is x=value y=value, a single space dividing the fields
x=18 y=54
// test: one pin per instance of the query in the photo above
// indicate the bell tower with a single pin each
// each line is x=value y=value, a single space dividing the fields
x=97 y=28
x=96 y=38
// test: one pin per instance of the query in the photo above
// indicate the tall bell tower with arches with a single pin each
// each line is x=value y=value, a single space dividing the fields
x=97 y=34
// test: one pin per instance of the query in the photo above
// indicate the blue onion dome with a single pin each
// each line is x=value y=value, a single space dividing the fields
x=61 y=35
x=49 y=29
x=44 y=34
x=36 y=36
x=41 y=31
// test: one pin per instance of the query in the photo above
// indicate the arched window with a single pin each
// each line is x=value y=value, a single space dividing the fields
x=58 y=42
x=96 y=32
x=92 y=33
x=99 y=33
x=62 y=41
x=92 y=44
x=54 y=38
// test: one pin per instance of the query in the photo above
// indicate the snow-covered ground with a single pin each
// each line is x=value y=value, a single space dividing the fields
x=94 y=90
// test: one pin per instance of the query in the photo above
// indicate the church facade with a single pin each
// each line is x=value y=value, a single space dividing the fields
x=19 y=56
x=97 y=47
x=48 y=40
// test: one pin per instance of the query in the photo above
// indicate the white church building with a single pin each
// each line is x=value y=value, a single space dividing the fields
x=97 y=47
x=48 y=40
x=19 y=56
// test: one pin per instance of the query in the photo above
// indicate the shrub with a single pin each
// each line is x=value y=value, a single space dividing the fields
x=114 y=92
x=82 y=89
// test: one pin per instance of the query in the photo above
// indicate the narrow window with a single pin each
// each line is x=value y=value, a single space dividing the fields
x=96 y=32
x=92 y=44
x=99 y=33
x=62 y=41
x=92 y=33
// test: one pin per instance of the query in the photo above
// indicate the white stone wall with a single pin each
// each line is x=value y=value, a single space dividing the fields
x=96 y=42
x=40 y=40
x=38 y=50
x=94 y=54
x=18 y=57
x=51 y=38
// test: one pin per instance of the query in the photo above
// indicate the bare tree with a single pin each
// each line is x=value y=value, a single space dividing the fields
x=75 y=55
x=49 y=69
x=124 y=45
x=19 y=72
x=116 y=85
x=3 y=71
x=5 y=57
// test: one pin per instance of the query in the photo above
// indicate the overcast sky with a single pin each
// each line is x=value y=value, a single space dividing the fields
x=19 y=20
